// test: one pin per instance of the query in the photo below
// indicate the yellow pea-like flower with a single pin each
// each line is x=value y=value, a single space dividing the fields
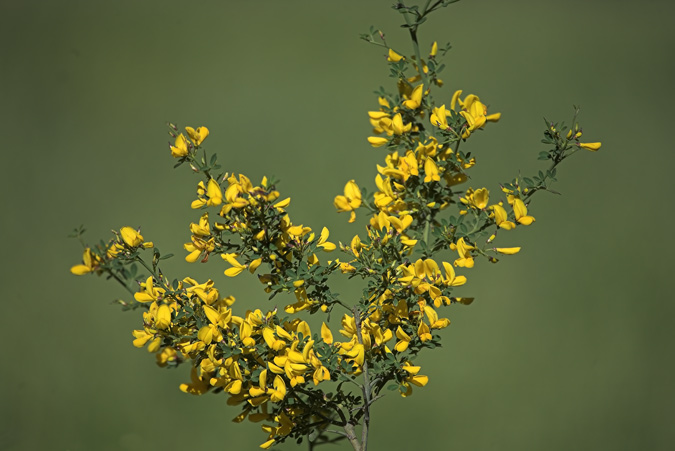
x=197 y=136
x=377 y=141
x=507 y=250
x=180 y=147
x=394 y=57
x=131 y=237
x=434 y=49
x=590 y=146
x=520 y=210
x=326 y=334
x=350 y=201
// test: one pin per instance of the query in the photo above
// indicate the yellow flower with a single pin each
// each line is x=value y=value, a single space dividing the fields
x=214 y=193
x=424 y=332
x=356 y=354
x=394 y=57
x=199 y=384
x=199 y=247
x=464 y=250
x=451 y=279
x=323 y=241
x=90 y=261
x=377 y=141
x=278 y=393
x=403 y=340
x=413 y=379
x=476 y=199
x=203 y=228
x=326 y=334
x=131 y=237
x=142 y=337
x=439 y=117
x=283 y=204
x=507 y=250
x=431 y=171
x=149 y=292
x=473 y=111
x=180 y=149
x=397 y=125
x=434 y=321
x=415 y=99
x=350 y=201
x=197 y=136
x=236 y=268
x=168 y=356
x=520 y=211
x=163 y=317
x=501 y=218
x=590 y=146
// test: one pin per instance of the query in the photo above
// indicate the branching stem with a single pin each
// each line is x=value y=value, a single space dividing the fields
x=366 y=385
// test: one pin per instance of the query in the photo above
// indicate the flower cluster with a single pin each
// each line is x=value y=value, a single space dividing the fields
x=424 y=225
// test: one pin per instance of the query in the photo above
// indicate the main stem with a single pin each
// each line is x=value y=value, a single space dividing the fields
x=412 y=28
x=366 y=386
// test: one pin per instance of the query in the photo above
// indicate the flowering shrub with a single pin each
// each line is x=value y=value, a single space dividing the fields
x=318 y=384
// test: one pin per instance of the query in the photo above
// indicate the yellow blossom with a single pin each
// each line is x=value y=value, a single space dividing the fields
x=198 y=385
x=473 y=111
x=131 y=237
x=520 y=211
x=180 y=147
x=394 y=57
x=501 y=218
x=439 y=117
x=415 y=99
x=197 y=136
x=326 y=334
x=90 y=262
x=413 y=378
x=323 y=241
x=590 y=146
x=214 y=193
x=424 y=332
x=476 y=199
x=278 y=393
x=403 y=340
x=350 y=201
x=431 y=171
x=236 y=268
x=377 y=141
x=507 y=250
x=283 y=203
x=434 y=49
x=464 y=250
x=397 y=125
x=149 y=291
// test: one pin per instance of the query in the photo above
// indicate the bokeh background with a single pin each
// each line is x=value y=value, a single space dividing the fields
x=569 y=344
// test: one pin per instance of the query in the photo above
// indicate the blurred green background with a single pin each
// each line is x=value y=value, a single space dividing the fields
x=569 y=344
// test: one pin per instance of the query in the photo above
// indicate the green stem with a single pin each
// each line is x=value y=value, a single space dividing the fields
x=351 y=436
x=412 y=28
x=366 y=386
x=121 y=282
x=426 y=8
x=150 y=270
